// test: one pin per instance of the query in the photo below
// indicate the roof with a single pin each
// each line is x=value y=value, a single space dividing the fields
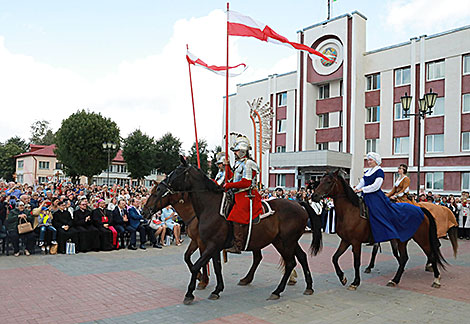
x=119 y=157
x=48 y=150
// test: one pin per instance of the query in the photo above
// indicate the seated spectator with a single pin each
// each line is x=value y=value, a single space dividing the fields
x=62 y=222
x=168 y=217
x=121 y=220
x=34 y=202
x=45 y=224
x=113 y=204
x=88 y=235
x=159 y=226
x=12 y=229
x=138 y=223
x=101 y=220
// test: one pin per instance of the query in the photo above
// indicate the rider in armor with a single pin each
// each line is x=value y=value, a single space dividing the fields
x=246 y=195
x=220 y=161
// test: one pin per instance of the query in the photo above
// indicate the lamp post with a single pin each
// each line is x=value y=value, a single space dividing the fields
x=425 y=108
x=108 y=147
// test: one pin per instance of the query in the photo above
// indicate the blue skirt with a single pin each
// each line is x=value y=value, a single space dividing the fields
x=392 y=220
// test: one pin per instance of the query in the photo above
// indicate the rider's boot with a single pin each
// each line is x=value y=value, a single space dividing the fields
x=238 y=238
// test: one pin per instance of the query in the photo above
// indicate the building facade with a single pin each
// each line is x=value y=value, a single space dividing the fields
x=40 y=165
x=329 y=115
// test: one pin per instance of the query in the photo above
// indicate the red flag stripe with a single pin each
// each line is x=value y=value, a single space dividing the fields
x=192 y=59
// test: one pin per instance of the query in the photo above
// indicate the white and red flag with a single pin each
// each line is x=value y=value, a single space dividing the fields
x=241 y=25
x=221 y=70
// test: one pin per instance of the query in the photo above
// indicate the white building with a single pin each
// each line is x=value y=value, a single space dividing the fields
x=330 y=115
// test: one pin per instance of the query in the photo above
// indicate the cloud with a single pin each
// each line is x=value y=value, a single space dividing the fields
x=427 y=16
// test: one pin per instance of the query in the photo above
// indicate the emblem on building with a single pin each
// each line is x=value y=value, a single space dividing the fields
x=330 y=53
x=333 y=49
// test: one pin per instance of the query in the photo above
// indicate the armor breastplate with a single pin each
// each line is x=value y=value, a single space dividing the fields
x=244 y=169
x=220 y=177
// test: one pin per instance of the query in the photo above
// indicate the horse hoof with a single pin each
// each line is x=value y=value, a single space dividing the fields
x=367 y=270
x=291 y=282
x=436 y=285
x=188 y=300
x=344 y=281
x=214 y=296
x=243 y=282
x=308 y=291
x=201 y=286
x=391 y=284
x=428 y=268
x=352 y=287
x=273 y=297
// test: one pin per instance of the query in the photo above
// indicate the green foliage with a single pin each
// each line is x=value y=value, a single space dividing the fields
x=203 y=155
x=8 y=150
x=41 y=133
x=80 y=141
x=214 y=168
x=139 y=151
x=168 y=153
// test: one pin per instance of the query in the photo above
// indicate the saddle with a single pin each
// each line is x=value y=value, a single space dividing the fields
x=228 y=201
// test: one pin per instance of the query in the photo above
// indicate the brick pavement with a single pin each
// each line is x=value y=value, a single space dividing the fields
x=148 y=287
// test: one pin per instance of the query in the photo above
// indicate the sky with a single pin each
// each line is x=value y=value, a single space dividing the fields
x=126 y=59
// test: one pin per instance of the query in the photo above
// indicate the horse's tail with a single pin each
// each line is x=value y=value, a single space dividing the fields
x=433 y=240
x=453 y=235
x=315 y=220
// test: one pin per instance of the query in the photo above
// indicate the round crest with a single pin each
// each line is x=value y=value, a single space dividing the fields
x=333 y=49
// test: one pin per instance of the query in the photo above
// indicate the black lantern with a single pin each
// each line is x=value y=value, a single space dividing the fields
x=406 y=102
x=430 y=98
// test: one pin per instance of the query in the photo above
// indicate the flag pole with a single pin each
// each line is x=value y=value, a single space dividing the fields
x=194 y=112
x=226 y=107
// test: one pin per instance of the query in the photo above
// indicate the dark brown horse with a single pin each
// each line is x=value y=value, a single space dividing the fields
x=355 y=230
x=283 y=229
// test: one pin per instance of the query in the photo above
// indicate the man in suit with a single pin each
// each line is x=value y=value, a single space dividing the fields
x=137 y=223
x=121 y=220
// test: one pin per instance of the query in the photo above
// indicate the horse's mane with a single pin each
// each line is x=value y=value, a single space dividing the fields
x=208 y=183
x=350 y=194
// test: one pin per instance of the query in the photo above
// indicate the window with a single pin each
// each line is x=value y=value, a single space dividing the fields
x=373 y=114
x=42 y=179
x=20 y=164
x=466 y=181
x=341 y=118
x=281 y=126
x=438 y=109
x=372 y=145
x=280 y=180
x=19 y=178
x=402 y=76
x=466 y=102
x=324 y=91
x=435 y=180
x=322 y=146
x=373 y=82
x=44 y=165
x=399 y=112
x=340 y=87
x=401 y=145
x=59 y=166
x=466 y=64
x=280 y=149
x=323 y=121
x=466 y=141
x=436 y=70
x=282 y=99
x=435 y=143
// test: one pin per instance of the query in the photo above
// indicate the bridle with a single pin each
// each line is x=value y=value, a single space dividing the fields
x=332 y=188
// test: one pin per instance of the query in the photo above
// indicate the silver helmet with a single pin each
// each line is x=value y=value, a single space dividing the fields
x=242 y=144
x=220 y=158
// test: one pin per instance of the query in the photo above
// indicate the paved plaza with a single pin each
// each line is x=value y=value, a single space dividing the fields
x=148 y=287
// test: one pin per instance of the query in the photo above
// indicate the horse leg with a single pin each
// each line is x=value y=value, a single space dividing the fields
x=302 y=258
x=426 y=247
x=343 y=246
x=371 y=265
x=257 y=257
x=287 y=253
x=218 y=274
x=402 y=260
x=356 y=248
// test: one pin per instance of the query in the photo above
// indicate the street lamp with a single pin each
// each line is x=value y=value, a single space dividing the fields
x=109 y=147
x=425 y=108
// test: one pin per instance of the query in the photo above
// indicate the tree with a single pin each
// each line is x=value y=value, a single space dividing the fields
x=203 y=155
x=139 y=151
x=8 y=150
x=41 y=133
x=214 y=168
x=80 y=141
x=168 y=153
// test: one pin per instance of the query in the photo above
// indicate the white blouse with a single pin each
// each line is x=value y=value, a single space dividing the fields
x=373 y=187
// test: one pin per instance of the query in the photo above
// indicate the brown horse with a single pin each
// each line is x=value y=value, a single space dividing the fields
x=355 y=230
x=283 y=229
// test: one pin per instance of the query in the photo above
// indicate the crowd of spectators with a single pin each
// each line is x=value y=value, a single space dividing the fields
x=94 y=218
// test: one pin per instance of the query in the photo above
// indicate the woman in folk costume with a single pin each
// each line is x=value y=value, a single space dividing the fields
x=387 y=221
x=244 y=182
x=401 y=187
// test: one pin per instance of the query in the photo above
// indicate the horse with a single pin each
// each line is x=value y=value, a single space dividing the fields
x=355 y=230
x=446 y=226
x=283 y=229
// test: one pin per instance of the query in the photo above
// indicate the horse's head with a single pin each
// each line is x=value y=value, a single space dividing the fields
x=330 y=186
